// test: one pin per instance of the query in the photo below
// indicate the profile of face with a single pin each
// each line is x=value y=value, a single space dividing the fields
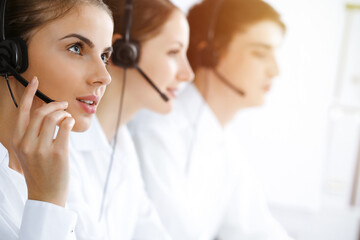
x=163 y=58
x=249 y=61
x=69 y=56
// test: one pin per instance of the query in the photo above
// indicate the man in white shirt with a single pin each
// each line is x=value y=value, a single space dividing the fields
x=194 y=172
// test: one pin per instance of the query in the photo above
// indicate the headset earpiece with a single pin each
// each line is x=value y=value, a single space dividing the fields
x=125 y=54
x=14 y=57
x=14 y=52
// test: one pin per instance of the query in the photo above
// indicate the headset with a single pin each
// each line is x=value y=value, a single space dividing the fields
x=14 y=57
x=126 y=51
x=208 y=56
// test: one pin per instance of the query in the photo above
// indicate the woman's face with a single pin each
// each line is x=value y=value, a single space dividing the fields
x=68 y=55
x=249 y=62
x=163 y=59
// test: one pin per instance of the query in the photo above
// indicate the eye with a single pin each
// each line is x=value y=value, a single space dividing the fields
x=76 y=48
x=259 y=54
x=105 y=57
x=173 y=52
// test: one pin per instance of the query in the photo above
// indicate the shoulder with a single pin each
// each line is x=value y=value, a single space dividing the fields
x=181 y=116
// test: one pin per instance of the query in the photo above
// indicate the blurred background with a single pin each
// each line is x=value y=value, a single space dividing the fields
x=305 y=141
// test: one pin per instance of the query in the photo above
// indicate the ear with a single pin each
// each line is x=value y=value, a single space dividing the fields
x=201 y=45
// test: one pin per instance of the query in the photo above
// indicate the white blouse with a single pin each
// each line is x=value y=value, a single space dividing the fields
x=21 y=218
x=197 y=176
x=128 y=214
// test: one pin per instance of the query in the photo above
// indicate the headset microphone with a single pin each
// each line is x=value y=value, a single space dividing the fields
x=228 y=83
x=208 y=56
x=162 y=95
x=126 y=51
x=14 y=57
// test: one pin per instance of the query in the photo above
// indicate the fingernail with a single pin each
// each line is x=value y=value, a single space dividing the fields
x=65 y=104
x=32 y=82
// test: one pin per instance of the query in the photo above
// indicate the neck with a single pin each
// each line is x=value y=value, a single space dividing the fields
x=109 y=107
x=223 y=101
x=8 y=114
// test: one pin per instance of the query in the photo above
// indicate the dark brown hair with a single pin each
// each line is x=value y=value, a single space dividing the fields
x=233 y=16
x=23 y=16
x=149 y=16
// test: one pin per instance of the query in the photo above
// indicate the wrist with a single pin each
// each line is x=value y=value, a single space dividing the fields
x=57 y=200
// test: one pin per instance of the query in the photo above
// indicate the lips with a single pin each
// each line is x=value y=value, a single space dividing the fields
x=172 y=91
x=267 y=87
x=89 y=103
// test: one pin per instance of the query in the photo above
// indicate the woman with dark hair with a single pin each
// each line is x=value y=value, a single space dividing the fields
x=193 y=169
x=63 y=50
x=104 y=158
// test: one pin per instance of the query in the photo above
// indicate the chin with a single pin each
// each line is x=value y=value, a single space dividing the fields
x=259 y=102
x=164 y=108
x=255 y=102
x=82 y=124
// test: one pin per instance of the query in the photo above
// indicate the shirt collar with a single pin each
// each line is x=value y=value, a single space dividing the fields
x=92 y=139
x=200 y=114
x=4 y=156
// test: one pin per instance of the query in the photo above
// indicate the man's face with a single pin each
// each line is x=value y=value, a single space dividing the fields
x=249 y=61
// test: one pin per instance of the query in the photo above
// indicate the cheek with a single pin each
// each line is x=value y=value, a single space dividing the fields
x=161 y=70
x=56 y=75
x=251 y=71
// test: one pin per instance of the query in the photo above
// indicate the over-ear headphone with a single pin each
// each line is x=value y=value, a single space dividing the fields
x=14 y=57
x=126 y=51
x=208 y=56
x=13 y=51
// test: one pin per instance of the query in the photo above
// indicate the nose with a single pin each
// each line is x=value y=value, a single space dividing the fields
x=185 y=73
x=273 y=69
x=99 y=74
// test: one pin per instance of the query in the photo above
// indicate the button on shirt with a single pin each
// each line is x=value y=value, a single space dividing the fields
x=28 y=219
x=128 y=213
x=196 y=176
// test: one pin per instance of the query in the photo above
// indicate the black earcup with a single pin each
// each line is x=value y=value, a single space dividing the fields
x=208 y=57
x=125 y=54
x=14 y=52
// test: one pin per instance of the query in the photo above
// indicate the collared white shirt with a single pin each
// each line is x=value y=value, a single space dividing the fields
x=128 y=214
x=197 y=177
x=28 y=219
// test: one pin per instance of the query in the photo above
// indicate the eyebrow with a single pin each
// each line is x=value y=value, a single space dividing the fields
x=82 y=38
x=178 y=42
x=86 y=41
x=108 y=49
x=261 y=45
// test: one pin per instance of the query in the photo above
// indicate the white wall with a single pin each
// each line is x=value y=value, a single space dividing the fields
x=290 y=130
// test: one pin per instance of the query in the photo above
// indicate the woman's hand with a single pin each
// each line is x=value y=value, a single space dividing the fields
x=44 y=161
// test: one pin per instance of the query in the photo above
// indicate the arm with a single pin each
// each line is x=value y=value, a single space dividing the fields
x=44 y=163
x=161 y=161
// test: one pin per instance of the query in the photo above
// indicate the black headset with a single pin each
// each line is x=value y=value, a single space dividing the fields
x=126 y=51
x=208 y=56
x=14 y=57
